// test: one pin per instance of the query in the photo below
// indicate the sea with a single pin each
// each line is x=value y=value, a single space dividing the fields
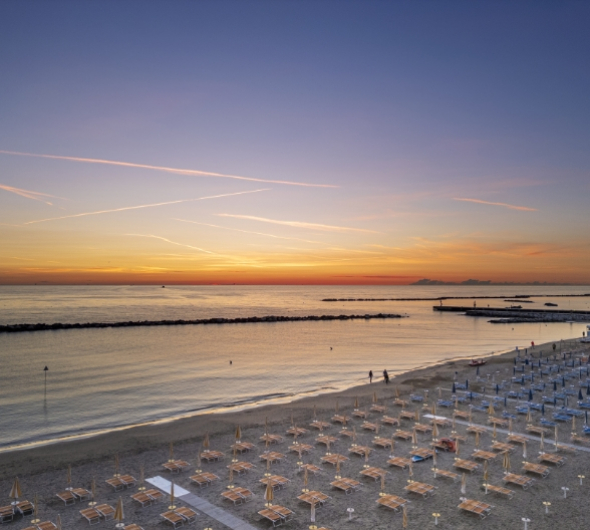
x=99 y=380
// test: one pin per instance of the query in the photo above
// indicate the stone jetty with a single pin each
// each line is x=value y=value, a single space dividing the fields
x=16 y=328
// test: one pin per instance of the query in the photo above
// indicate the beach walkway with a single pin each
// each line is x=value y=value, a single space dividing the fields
x=219 y=514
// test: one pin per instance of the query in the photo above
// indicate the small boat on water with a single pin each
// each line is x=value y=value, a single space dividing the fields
x=550 y=304
x=514 y=307
x=477 y=362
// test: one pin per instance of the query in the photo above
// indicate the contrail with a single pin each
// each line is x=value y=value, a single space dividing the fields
x=299 y=224
x=503 y=204
x=144 y=206
x=174 y=243
x=194 y=172
x=247 y=231
x=35 y=195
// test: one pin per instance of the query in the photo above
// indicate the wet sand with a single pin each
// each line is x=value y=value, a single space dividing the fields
x=42 y=470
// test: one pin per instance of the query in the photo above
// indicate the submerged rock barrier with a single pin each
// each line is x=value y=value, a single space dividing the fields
x=16 y=328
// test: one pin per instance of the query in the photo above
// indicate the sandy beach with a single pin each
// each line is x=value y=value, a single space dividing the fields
x=43 y=470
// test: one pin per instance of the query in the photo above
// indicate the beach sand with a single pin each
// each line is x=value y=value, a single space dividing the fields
x=42 y=470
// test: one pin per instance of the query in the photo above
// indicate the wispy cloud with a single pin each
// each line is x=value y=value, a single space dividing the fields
x=502 y=204
x=144 y=206
x=298 y=224
x=35 y=195
x=247 y=231
x=173 y=242
x=178 y=171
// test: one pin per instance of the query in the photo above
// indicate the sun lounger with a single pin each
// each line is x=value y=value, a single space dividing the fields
x=407 y=415
x=6 y=514
x=416 y=397
x=440 y=422
x=461 y=414
x=420 y=488
x=400 y=402
x=189 y=516
x=24 y=508
x=176 y=466
x=243 y=447
x=297 y=431
x=334 y=459
x=368 y=426
x=480 y=508
x=310 y=468
x=374 y=472
x=404 y=435
x=347 y=485
x=132 y=527
x=535 y=429
x=346 y=432
x=382 y=442
x=67 y=497
x=301 y=448
x=519 y=480
x=128 y=480
x=500 y=422
x=393 y=502
x=547 y=423
x=422 y=452
x=116 y=483
x=81 y=494
x=272 y=457
x=173 y=518
x=476 y=429
x=400 y=462
x=211 y=456
x=232 y=496
x=420 y=427
x=444 y=473
x=271 y=438
x=500 y=490
x=91 y=515
x=360 y=450
x=273 y=517
x=553 y=458
x=484 y=455
x=108 y=512
x=516 y=438
x=326 y=440
x=143 y=499
x=241 y=467
x=203 y=479
x=321 y=425
x=444 y=403
x=314 y=497
x=466 y=465
x=389 y=420
x=360 y=413
x=246 y=494
x=377 y=408
x=154 y=494
x=276 y=481
x=340 y=418
x=503 y=447
x=538 y=469
x=46 y=525
x=285 y=513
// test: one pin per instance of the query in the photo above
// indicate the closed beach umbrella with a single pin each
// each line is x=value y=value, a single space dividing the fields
x=510 y=425
x=172 y=491
x=383 y=482
x=374 y=397
x=305 y=478
x=464 y=484
x=433 y=410
x=238 y=433
x=497 y=389
x=542 y=409
x=206 y=442
x=506 y=462
x=58 y=522
x=454 y=389
x=338 y=466
x=434 y=458
x=457 y=446
x=530 y=394
x=466 y=384
x=411 y=470
x=529 y=416
x=414 y=436
x=588 y=390
x=231 y=476
x=354 y=435
x=556 y=437
x=405 y=517
x=580 y=396
x=397 y=392
x=434 y=431
x=477 y=439
x=268 y=494
x=93 y=489
x=171 y=452
x=35 y=510
x=313 y=512
x=542 y=445
x=554 y=386
x=524 y=450
x=356 y=403
x=15 y=491
x=69 y=476
x=573 y=424
x=117 y=465
x=491 y=410
x=485 y=470
x=494 y=432
x=120 y=515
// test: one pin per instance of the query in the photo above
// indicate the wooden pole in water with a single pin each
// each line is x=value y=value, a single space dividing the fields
x=46 y=370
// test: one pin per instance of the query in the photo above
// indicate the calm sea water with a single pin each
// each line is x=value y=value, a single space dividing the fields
x=102 y=379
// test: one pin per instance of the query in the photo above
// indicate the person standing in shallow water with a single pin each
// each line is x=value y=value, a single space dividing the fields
x=370 y=376
x=386 y=377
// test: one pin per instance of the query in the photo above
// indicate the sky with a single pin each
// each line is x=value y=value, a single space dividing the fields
x=294 y=142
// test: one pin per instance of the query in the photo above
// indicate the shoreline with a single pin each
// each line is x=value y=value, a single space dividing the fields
x=191 y=429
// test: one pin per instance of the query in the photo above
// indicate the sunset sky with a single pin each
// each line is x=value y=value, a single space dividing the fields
x=294 y=142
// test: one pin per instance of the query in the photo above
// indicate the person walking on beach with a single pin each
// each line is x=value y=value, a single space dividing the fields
x=370 y=376
x=386 y=377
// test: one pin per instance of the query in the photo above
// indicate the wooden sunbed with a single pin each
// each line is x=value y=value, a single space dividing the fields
x=173 y=518
x=360 y=413
x=520 y=480
x=116 y=483
x=314 y=497
x=6 y=514
x=154 y=494
x=243 y=447
x=476 y=429
x=421 y=427
x=400 y=402
x=232 y=496
x=245 y=493
x=46 y=525
x=368 y=426
x=360 y=450
x=422 y=452
x=553 y=458
x=536 y=429
x=440 y=422
x=272 y=516
x=321 y=425
x=393 y=502
x=404 y=435
x=300 y=448
x=334 y=459
x=466 y=465
x=377 y=408
x=91 y=515
x=203 y=479
x=176 y=466
x=143 y=499
x=211 y=456
x=106 y=511
x=503 y=447
x=484 y=455
x=538 y=469
x=382 y=442
x=500 y=490
x=400 y=462
x=81 y=494
x=241 y=467
x=132 y=526
x=374 y=472
x=272 y=457
x=310 y=468
x=444 y=473
x=517 y=439
x=347 y=485
x=346 y=432
x=461 y=414
x=276 y=481
x=389 y=420
x=500 y=422
x=285 y=513
x=297 y=431
x=271 y=438
x=326 y=440
x=407 y=415
x=24 y=507
x=420 y=488
x=480 y=508
x=340 y=418
x=189 y=516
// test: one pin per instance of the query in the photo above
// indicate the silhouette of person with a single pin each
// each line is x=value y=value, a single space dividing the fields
x=386 y=377
x=370 y=376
